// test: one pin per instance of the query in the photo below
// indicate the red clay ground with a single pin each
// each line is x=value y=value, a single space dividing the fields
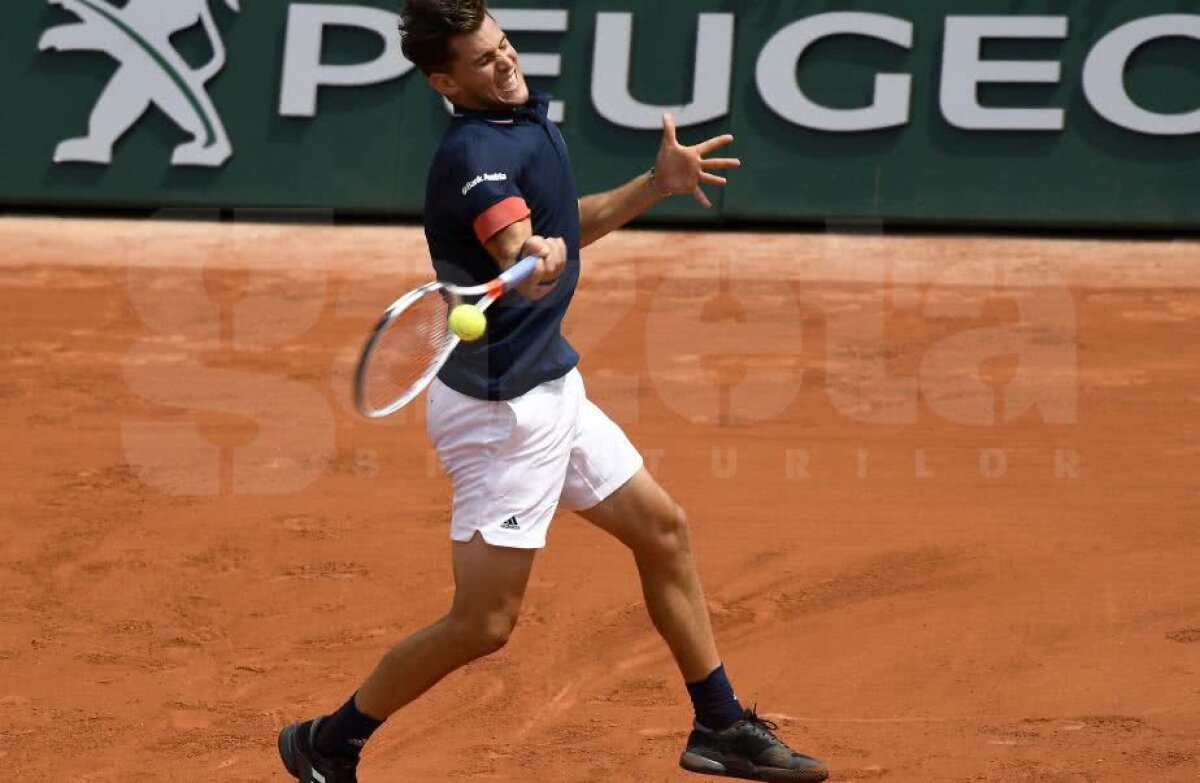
x=943 y=490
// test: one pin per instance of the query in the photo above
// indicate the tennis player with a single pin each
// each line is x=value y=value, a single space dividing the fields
x=508 y=415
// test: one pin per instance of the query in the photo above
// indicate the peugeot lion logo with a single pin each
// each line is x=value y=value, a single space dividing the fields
x=150 y=72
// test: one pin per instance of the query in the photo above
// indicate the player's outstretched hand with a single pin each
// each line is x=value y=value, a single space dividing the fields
x=552 y=260
x=681 y=169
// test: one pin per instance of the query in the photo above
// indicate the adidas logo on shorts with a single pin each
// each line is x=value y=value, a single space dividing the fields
x=510 y=524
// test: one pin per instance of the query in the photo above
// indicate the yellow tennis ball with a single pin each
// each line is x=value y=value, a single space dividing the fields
x=468 y=322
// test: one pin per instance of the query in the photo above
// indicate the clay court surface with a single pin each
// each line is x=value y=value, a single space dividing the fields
x=943 y=494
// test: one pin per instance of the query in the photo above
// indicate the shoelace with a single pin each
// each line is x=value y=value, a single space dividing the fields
x=761 y=726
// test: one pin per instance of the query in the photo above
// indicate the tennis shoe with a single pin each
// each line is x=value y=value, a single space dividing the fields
x=748 y=750
x=303 y=762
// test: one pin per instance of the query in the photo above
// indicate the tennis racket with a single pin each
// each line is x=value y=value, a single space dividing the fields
x=413 y=340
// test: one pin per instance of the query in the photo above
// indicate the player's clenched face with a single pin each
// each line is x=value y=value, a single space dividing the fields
x=486 y=72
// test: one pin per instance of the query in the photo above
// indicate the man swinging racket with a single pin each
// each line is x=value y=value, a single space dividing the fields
x=508 y=415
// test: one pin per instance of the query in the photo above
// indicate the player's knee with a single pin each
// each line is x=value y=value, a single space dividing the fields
x=493 y=632
x=667 y=536
x=486 y=633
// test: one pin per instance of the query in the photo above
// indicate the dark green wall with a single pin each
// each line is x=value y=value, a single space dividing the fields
x=368 y=147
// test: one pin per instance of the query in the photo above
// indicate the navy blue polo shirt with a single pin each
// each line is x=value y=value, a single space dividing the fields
x=492 y=169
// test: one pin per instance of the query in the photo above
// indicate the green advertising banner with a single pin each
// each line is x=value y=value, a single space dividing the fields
x=945 y=111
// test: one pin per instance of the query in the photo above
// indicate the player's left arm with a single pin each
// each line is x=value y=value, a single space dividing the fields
x=677 y=170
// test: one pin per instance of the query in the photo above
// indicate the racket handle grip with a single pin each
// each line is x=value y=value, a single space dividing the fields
x=519 y=272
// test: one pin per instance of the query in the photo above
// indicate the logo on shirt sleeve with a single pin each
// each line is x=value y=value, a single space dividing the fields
x=496 y=177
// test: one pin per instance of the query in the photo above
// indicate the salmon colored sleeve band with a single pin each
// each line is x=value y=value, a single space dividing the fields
x=500 y=216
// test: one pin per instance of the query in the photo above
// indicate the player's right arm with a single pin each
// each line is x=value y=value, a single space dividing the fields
x=517 y=240
x=486 y=200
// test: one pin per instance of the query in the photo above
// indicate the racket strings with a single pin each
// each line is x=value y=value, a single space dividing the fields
x=406 y=351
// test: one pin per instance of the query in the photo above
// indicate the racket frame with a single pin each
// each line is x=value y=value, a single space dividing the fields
x=512 y=277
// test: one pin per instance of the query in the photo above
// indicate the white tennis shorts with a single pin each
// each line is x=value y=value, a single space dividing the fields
x=513 y=462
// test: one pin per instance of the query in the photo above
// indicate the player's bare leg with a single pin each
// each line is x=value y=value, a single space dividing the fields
x=489 y=588
x=643 y=516
x=725 y=741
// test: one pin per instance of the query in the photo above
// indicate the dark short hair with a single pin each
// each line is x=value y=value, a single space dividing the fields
x=427 y=26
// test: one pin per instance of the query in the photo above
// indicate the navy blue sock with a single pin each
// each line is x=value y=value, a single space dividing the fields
x=716 y=705
x=344 y=733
